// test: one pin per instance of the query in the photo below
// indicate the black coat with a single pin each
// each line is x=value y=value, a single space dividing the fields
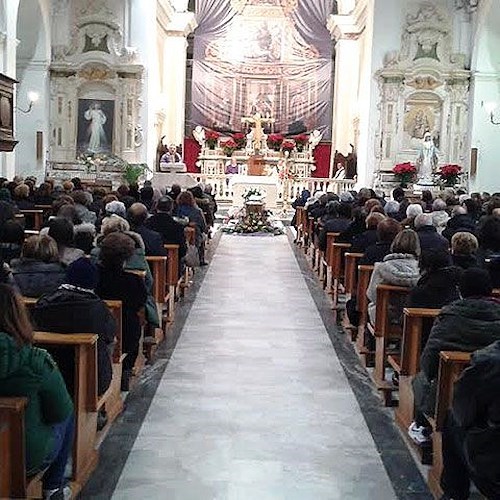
x=465 y=261
x=35 y=278
x=332 y=225
x=476 y=408
x=459 y=223
x=376 y=253
x=78 y=311
x=431 y=240
x=362 y=241
x=172 y=232
x=464 y=325
x=436 y=289
x=153 y=241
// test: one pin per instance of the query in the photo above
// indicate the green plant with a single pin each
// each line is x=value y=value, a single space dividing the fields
x=132 y=172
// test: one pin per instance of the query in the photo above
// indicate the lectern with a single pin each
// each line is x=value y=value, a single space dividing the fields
x=7 y=142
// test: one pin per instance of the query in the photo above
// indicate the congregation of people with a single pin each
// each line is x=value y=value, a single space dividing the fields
x=446 y=250
x=92 y=247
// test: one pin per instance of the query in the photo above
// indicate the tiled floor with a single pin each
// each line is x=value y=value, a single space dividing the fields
x=254 y=403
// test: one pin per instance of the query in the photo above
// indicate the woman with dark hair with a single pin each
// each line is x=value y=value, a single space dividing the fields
x=30 y=372
x=427 y=200
x=117 y=284
x=43 y=195
x=62 y=230
x=186 y=207
x=38 y=270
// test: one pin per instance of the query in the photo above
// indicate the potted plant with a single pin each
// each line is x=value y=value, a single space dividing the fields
x=132 y=172
x=288 y=145
x=301 y=141
x=274 y=141
x=229 y=147
x=449 y=174
x=211 y=138
x=240 y=139
x=405 y=173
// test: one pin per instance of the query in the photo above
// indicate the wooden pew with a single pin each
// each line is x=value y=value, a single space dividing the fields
x=328 y=260
x=172 y=279
x=84 y=346
x=451 y=365
x=408 y=363
x=309 y=248
x=190 y=234
x=364 y=276
x=36 y=216
x=351 y=272
x=301 y=221
x=384 y=332
x=337 y=262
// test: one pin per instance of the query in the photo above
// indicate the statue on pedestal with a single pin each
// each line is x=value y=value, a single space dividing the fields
x=427 y=160
x=256 y=135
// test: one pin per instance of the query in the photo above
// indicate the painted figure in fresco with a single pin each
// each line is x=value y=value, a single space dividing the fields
x=97 y=136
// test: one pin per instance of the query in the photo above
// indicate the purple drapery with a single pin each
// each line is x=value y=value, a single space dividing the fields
x=279 y=65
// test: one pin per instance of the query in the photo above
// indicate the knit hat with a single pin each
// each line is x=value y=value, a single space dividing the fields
x=82 y=273
x=116 y=207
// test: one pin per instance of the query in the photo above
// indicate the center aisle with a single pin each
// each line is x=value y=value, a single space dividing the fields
x=254 y=403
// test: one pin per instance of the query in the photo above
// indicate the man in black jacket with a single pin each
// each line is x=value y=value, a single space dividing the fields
x=172 y=232
x=137 y=215
x=429 y=238
x=471 y=435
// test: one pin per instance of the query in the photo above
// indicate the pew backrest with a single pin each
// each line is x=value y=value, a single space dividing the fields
x=387 y=296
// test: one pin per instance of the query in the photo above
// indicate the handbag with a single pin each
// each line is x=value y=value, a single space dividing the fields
x=192 y=258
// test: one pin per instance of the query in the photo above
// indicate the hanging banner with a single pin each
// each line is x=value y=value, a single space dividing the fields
x=268 y=56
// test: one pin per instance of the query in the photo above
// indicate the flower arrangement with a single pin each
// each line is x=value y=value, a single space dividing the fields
x=274 y=141
x=93 y=161
x=449 y=174
x=229 y=147
x=254 y=223
x=240 y=139
x=286 y=174
x=288 y=145
x=252 y=194
x=301 y=141
x=405 y=173
x=211 y=138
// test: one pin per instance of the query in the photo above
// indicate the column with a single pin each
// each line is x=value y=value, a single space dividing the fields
x=345 y=31
x=174 y=75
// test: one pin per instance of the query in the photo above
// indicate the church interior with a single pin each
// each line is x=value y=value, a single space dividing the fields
x=249 y=249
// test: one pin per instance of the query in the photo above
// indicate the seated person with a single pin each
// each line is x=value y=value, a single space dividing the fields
x=11 y=240
x=171 y=156
x=62 y=230
x=440 y=215
x=412 y=211
x=460 y=221
x=137 y=216
x=399 y=268
x=38 y=270
x=232 y=166
x=75 y=308
x=336 y=220
x=369 y=237
x=387 y=230
x=22 y=197
x=438 y=283
x=471 y=434
x=30 y=372
x=464 y=325
x=488 y=254
x=117 y=284
x=428 y=235
x=463 y=250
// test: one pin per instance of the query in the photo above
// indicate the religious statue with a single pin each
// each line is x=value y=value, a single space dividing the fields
x=199 y=135
x=97 y=136
x=427 y=159
x=258 y=138
x=314 y=139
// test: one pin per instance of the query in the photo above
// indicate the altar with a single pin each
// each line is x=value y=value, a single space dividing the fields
x=267 y=185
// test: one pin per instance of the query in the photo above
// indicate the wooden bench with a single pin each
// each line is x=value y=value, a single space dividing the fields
x=172 y=279
x=327 y=260
x=84 y=346
x=36 y=216
x=190 y=234
x=408 y=363
x=351 y=272
x=451 y=365
x=301 y=221
x=385 y=331
x=364 y=276
x=337 y=262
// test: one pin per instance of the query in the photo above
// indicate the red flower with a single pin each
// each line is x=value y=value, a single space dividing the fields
x=278 y=138
x=230 y=144
x=287 y=144
x=211 y=135
x=450 y=171
x=301 y=139
x=404 y=169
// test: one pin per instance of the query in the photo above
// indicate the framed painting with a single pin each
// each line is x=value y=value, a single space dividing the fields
x=95 y=126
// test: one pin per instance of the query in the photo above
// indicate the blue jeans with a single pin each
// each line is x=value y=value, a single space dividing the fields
x=58 y=458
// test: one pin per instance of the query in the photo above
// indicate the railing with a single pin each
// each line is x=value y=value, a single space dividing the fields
x=223 y=193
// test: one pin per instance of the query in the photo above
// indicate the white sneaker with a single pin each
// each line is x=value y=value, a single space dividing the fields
x=417 y=434
x=58 y=494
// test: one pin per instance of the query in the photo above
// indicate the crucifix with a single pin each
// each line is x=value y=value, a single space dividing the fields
x=258 y=133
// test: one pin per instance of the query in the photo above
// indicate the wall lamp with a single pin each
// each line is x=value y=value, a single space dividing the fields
x=32 y=98
x=490 y=108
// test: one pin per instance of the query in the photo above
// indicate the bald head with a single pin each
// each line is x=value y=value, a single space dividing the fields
x=137 y=214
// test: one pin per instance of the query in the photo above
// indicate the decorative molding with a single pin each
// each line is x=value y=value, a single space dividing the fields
x=348 y=27
x=181 y=24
